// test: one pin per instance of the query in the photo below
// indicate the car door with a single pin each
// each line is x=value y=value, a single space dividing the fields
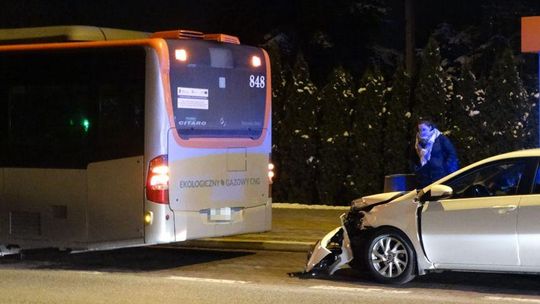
x=477 y=225
x=528 y=225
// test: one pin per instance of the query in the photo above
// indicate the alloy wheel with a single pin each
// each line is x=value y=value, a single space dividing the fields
x=389 y=256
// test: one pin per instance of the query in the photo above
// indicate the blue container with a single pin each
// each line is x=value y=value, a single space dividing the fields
x=399 y=182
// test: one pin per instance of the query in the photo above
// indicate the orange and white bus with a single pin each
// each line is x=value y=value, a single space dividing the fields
x=112 y=138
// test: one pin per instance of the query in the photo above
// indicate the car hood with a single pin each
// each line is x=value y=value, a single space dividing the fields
x=380 y=198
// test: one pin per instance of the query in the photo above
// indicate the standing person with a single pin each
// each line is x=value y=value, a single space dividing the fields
x=435 y=155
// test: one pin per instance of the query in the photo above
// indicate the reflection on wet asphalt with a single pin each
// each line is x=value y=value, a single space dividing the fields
x=120 y=260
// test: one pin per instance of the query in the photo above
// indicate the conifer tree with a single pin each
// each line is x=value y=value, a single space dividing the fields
x=398 y=125
x=298 y=149
x=531 y=118
x=280 y=80
x=334 y=122
x=465 y=117
x=506 y=107
x=433 y=89
x=366 y=141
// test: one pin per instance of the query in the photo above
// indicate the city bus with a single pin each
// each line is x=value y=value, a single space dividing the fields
x=112 y=138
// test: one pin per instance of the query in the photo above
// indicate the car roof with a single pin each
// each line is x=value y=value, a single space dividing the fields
x=520 y=153
x=514 y=154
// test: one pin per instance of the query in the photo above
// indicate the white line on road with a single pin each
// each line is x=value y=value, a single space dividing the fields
x=305 y=206
x=522 y=300
x=90 y=272
x=355 y=289
x=206 y=280
x=268 y=242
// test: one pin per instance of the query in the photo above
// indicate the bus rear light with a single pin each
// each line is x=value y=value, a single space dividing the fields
x=157 y=181
x=148 y=217
x=270 y=172
x=181 y=55
x=256 y=61
x=270 y=176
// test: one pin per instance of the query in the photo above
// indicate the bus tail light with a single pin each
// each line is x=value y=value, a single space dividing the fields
x=148 y=217
x=256 y=61
x=181 y=55
x=157 y=181
x=270 y=172
x=270 y=176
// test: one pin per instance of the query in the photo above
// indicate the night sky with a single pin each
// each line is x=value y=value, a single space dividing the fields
x=251 y=20
x=347 y=27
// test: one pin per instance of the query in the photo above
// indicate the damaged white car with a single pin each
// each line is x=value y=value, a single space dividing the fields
x=484 y=217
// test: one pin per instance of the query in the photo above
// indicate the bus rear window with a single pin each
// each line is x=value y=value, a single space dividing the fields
x=216 y=92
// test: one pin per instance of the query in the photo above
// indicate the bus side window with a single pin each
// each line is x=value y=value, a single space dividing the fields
x=48 y=125
x=120 y=98
x=73 y=108
x=121 y=121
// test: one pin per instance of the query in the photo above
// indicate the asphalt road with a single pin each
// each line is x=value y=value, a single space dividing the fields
x=173 y=275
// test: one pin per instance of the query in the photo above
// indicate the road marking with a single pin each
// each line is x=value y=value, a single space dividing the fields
x=258 y=241
x=90 y=272
x=206 y=280
x=355 y=289
x=523 y=300
x=306 y=207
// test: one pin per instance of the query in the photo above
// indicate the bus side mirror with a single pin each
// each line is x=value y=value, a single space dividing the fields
x=437 y=192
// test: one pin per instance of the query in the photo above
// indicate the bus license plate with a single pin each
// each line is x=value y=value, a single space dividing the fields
x=220 y=214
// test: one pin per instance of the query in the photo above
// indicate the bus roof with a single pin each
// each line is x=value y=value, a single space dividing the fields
x=66 y=34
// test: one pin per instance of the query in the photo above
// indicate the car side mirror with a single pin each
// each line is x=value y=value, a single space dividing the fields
x=437 y=192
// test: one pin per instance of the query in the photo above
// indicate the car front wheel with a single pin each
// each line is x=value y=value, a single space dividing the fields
x=389 y=257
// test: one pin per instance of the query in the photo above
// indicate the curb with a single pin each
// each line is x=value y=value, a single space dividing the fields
x=227 y=243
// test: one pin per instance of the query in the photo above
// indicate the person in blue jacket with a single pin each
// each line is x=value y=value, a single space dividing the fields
x=435 y=155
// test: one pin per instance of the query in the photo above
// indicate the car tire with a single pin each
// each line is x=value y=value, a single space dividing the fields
x=389 y=257
x=358 y=248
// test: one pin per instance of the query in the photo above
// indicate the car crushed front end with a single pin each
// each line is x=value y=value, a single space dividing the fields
x=339 y=247
x=331 y=252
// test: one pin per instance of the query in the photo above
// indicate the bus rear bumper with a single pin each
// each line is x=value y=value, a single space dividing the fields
x=159 y=226
x=222 y=221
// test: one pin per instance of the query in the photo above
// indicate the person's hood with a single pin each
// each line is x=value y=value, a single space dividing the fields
x=380 y=198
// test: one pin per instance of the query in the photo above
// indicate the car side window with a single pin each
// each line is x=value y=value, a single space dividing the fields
x=497 y=179
x=536 y=186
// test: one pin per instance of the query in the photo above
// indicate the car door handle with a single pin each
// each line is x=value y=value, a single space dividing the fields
x=505 y=208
